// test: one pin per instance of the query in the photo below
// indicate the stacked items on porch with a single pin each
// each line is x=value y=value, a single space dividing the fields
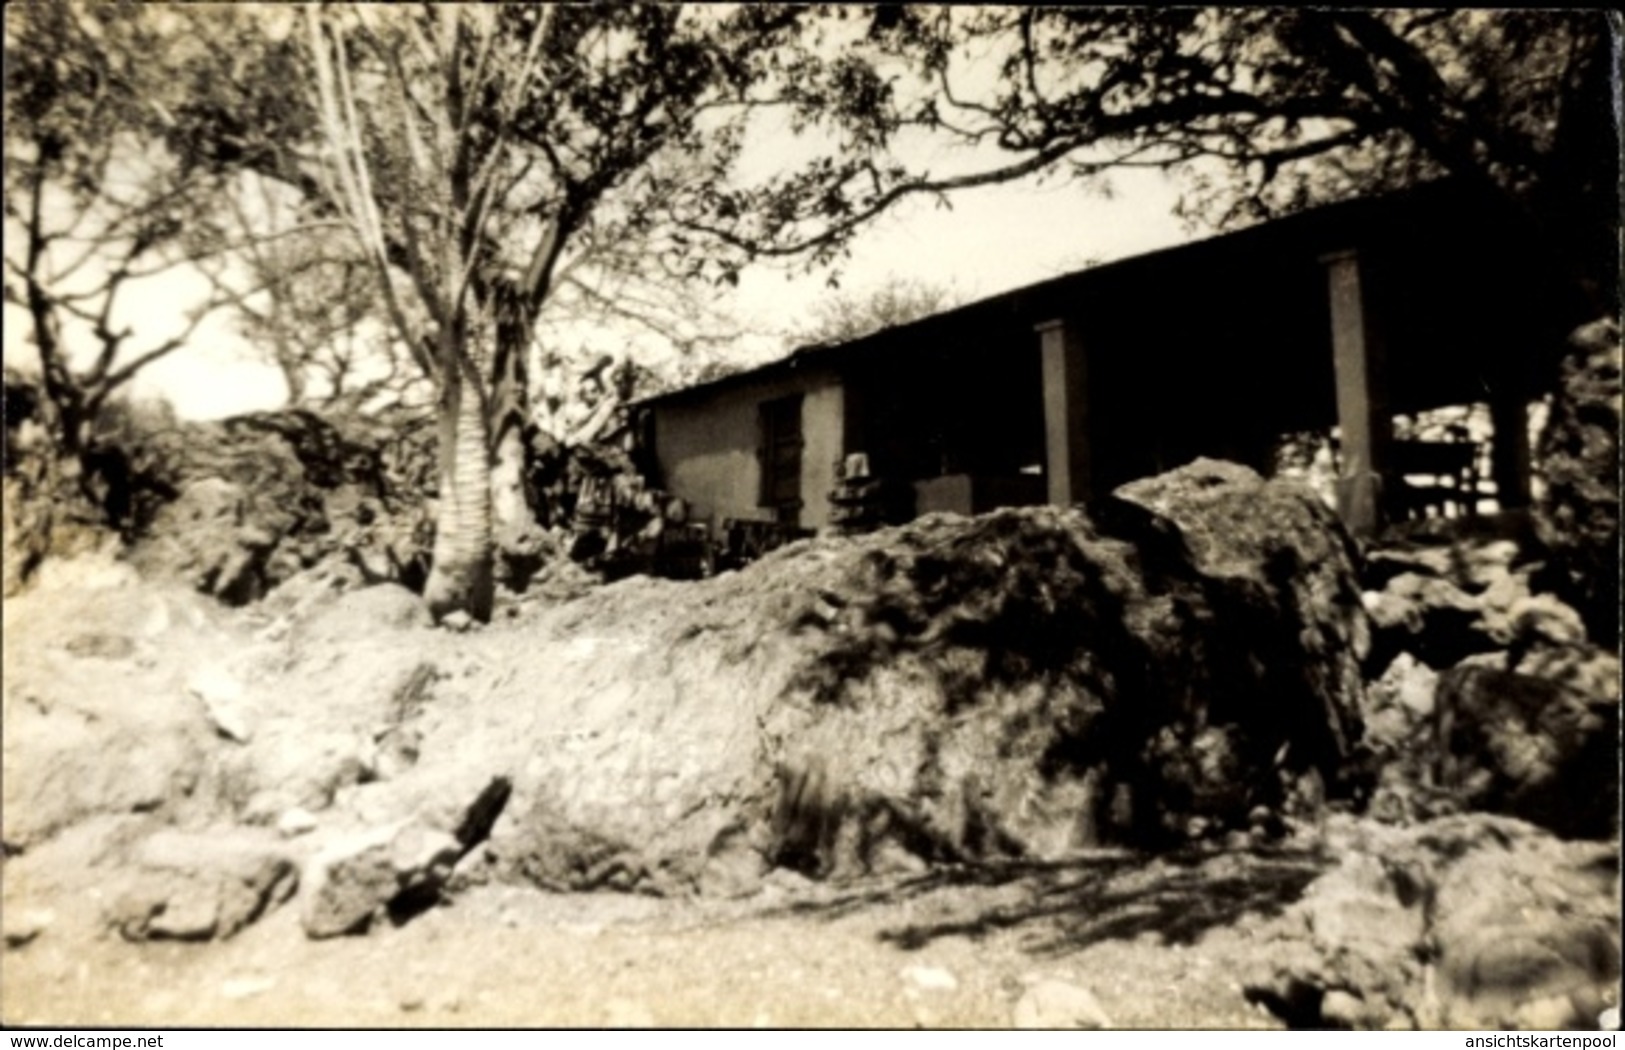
x=858 y=502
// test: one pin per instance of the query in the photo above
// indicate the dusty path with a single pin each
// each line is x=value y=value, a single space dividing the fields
x=1161 y=943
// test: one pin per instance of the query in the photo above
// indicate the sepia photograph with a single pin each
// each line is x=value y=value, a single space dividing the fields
x=642 y=516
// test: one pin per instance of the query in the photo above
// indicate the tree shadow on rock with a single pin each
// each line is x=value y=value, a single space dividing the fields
x=1058 y=908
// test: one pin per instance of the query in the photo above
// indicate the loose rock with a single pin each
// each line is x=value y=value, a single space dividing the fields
x=24 y=925
x=1052 y=1004
x=930 y=978
x=222 y=695
x=202 y=886
x=358 y=879
x=246 y=987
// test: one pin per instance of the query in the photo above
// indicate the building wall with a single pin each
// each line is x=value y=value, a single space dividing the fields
x=706 y=446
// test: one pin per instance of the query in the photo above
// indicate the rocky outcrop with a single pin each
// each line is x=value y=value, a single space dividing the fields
x=1446 y=601
x=1577 y=456
x=262 y=497
x=1485 y=693
x=1471 y=921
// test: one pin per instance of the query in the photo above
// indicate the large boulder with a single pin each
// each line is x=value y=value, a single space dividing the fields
x=1527 y=930
x=1277 y=569
x=1019 y=684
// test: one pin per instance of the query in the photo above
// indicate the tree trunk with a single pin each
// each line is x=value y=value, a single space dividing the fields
x=515 y=519
x=460 y=579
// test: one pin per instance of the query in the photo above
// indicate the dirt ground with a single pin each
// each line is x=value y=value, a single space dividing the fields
x=1160 y=944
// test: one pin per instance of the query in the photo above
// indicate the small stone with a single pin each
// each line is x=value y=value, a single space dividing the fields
x=351 y=881
x=1484 y=565
x=1544 y=618
x=26 y=924
x=1551 y=1014
x=296 y=821
x=187 y=917
x=582 y=929
x=411 y=1003
x=1608 y=1020
x=417 y=851
x=1341 y=1009
x=222 y=696
x=1057 y=1004
x=458 y=621
x=246 y=987
x=101 y=646
x=930 y=978
x=1407 y=684
x=891 y=858
x=474 y=868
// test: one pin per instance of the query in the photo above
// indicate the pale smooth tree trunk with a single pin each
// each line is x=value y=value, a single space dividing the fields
x=514 y=519
x=461 y=577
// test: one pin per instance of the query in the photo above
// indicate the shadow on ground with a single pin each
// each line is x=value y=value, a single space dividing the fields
x=1065 y=906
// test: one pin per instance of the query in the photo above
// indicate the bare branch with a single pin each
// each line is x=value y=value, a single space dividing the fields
x=836 y=231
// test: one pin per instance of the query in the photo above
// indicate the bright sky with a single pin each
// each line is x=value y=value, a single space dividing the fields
x=992 y=240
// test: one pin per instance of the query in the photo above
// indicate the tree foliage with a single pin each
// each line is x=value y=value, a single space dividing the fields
x=303 y=293
x=1266 y=110
x=93 y=203
x=844 y=317
x=490 y=159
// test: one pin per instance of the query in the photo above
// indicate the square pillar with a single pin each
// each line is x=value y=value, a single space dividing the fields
x=1509 y=450
x=1066 y=431
x=1362 y=413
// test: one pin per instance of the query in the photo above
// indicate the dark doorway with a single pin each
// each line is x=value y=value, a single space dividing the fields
x=781 y=445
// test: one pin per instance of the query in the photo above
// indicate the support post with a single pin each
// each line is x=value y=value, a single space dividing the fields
x=1362 y=414
x=1509 y=450
x=1066 y=431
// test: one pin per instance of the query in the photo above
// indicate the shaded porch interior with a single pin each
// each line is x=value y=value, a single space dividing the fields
x=1331 y=321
